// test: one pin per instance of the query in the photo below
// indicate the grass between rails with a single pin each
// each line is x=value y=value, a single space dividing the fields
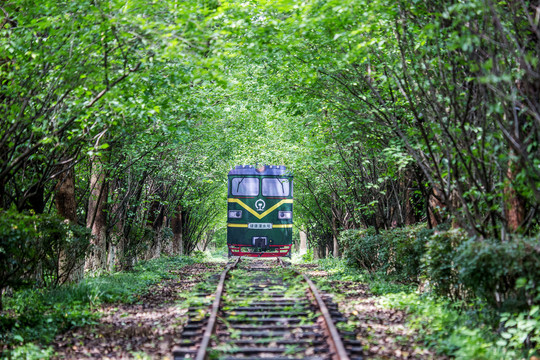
x=245 y=287
x=33 y=317
x=460 y=330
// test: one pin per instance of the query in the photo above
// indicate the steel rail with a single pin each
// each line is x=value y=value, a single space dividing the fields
x=201 y=352
x=335 y=338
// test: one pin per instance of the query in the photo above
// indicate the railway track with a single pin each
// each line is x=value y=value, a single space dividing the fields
x=261 y=310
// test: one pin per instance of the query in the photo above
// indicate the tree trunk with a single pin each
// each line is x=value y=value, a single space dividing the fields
x=336 y=245
x=435 y=207
x=64 y=197
x=529 y=86
x=154 y=220
x=335 y=226
x=96 y=219
x=3 y=197
x=515 y=204
x=303 y=242
x=410 y=219
x=111 y=256
x=66 y=206
x=176 y=226
x=410 y=216
x=168 y=244
x=115 y=237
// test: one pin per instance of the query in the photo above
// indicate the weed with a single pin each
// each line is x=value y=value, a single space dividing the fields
x=464 y=330
x=35 y=316
x=31 y=351
x=140 y=355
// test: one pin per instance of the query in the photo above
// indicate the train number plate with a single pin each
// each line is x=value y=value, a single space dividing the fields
x=259 y=226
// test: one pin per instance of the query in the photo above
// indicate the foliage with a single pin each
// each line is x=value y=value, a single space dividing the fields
x=439 y=260
x=467 y=331
x=504 y=274
x=445 y=327
x=497 y=279
x=397 y=252
x=424 y=105
x=389 y=114
x=501 y=273
x=522 y=330
x=31 y=351
x=379 y=282
x=40 y=249
x=364 y=249
x=472 y=330
x=116 y=110
x=308 y=256
x=220 y=239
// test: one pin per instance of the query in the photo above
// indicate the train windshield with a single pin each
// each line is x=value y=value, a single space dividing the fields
x=245 y=186
x=276 y=187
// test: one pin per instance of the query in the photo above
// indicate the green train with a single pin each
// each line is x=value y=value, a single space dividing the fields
x=260 y=211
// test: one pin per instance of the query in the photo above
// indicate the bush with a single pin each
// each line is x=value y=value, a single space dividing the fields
x=459 y=267
x=439 y=263
x=31 y=351
x=407 y=249
x=308 y=256
x=31 y=246
x=446 y=327
x=364 y=249
x=503 y=275
x=499 y=272
x=499 y=281
x=521 y=334
x=396 y=252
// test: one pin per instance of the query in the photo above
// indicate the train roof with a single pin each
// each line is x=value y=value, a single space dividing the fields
x=279 y=170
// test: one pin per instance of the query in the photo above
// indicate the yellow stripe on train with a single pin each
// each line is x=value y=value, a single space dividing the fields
x=254 y=213
x=238 y=225
x=274 y=226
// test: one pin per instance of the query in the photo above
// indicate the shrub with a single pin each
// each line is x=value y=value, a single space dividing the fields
x=407 y=247
x=492 y=269
x=30 y=248
x=364 y=249
x=395 y=252
x=458 y=267
x=521 y=334
x=31 y=351
x=503 y=275
x=308 y=256
x=439 y=263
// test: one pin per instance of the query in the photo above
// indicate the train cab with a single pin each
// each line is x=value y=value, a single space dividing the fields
x=260 y=211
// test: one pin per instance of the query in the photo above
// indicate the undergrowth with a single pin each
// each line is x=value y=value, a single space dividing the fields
x=465 y=330
x=33 y=317
x=339 y=270
x=462 y=330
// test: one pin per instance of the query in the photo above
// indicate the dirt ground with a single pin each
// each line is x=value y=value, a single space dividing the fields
x=147 y=329
x=383 y=331
x=152 y=326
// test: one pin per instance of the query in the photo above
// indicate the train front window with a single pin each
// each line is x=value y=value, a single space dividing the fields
x=245 y=186
x=276 y=187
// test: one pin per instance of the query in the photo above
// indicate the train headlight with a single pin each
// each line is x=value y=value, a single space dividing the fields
x=235 y=214
x=282 y=215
